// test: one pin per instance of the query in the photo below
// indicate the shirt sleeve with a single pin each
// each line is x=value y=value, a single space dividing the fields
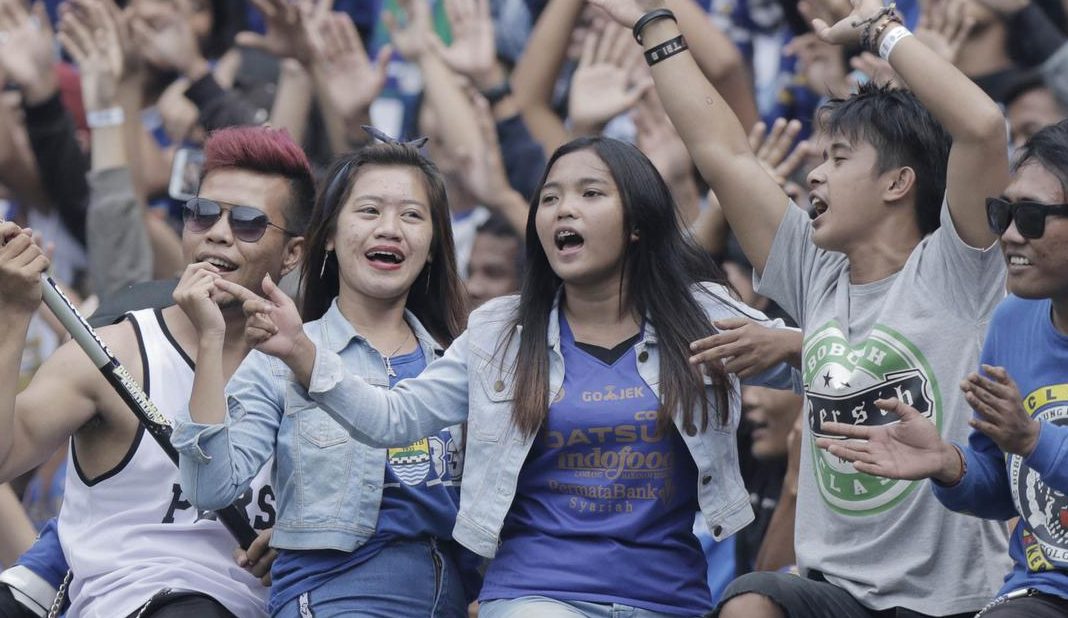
x=1048 y=458
x=966 y=279
x=793 y=264
x=218 y=462
x=434 y=400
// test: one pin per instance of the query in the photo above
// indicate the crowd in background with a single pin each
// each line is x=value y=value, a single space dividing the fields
x=105 y=107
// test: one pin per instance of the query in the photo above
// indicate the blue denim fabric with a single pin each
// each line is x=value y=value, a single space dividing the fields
x=475 y=381
x=328 y=485
x=431 y=587
x=544 y=607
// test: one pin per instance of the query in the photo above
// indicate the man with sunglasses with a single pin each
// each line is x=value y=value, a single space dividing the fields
x=1013 y=464
x=134 y=543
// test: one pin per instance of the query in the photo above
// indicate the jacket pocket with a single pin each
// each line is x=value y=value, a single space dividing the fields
x=312 y=423
x=491 y=414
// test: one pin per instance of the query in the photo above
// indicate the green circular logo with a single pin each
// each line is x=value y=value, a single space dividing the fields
x=842 y=383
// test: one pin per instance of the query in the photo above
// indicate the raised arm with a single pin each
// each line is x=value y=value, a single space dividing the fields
x=752 y=201
x=978 y=161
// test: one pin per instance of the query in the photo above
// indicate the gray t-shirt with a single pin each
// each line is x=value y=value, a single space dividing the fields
x=914 y=336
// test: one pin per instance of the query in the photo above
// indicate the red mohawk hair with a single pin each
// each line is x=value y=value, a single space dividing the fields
x=265 y=151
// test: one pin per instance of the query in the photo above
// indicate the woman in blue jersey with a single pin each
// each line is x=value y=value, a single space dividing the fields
x=381 y=293
x=592 y=438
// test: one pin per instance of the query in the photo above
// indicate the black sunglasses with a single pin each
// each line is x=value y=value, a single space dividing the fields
x=1030 y=217
x=247 y=223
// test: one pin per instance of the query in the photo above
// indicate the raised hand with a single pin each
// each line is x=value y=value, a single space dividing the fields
x=472 y=52
x=195 y=294
x=600 y=86
x=777 y=152
x=909 y=449
x=22 y=262
x=847 y=30
x=944 y=26
x=272 y=324
x=877 y=69
x=820 y=63
x=659 y=140
x=745 y=347
x=1001 y=415
x=90 y=35
x=482 y=170
x=285 y=35
x=165 y=38
x=27 y=52
x=344 y=74
x=412 y=34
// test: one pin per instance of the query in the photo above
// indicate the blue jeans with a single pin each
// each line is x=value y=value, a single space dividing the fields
x=407 y=578
x=543 y=607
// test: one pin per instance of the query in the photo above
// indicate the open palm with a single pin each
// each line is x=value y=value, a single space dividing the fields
x=910 y=449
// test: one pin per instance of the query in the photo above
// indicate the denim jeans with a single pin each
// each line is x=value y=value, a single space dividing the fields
x=544 y=607
x=407 y=578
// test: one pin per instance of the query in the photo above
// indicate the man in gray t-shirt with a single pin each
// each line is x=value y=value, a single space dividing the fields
x=892 y=280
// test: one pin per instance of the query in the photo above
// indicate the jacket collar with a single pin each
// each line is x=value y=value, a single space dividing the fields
x=338 y=332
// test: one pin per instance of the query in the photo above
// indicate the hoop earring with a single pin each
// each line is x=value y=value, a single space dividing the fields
x=322 y=270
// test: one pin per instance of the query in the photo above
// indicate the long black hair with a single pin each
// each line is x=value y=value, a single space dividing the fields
x=437 y=297
x=660 y=271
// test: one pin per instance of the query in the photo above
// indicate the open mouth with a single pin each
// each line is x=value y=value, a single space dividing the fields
x=223 y=265
x=818 y=206
x=568 y=239
x=385 y=256
x=1019 y=260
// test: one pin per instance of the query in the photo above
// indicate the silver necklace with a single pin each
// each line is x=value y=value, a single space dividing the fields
x=385 y=359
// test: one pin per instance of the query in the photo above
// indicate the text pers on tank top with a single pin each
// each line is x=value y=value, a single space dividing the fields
x=130 y=532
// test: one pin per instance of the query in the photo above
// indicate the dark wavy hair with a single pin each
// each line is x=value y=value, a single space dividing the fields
x=904 y=133
x=659 y=271
x=1049 y=148
x=437 y=297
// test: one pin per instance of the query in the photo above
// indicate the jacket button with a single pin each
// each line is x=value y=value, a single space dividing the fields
x=643 y=356
x=498 y=386
x=716 y=531
x=706 y=480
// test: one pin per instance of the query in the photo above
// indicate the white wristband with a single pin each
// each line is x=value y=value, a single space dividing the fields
x=101 y=118
x=890 y=40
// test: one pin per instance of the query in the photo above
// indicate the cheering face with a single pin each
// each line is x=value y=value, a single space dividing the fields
x=580 y=220
x=1037 y=267
x=383 y=233
x=214 y=240
x=843 y=195
x=772 y=414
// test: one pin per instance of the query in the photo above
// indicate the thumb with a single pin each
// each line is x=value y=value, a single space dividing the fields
x=252 y=40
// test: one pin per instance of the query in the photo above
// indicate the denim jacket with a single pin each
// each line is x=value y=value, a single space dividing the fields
x=475 y=381
x=329 y=485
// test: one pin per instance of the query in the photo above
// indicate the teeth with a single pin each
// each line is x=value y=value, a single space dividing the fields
x=220 y=263
x=1017 y=260
x=386 y=255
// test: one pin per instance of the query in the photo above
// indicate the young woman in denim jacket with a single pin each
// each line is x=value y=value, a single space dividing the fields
x=382 y=294
x=592 y=439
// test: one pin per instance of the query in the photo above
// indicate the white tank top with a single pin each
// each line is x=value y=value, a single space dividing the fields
x=130 y=532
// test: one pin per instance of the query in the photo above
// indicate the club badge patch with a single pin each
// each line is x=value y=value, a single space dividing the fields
x=1043 y=509
x=842 y=383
